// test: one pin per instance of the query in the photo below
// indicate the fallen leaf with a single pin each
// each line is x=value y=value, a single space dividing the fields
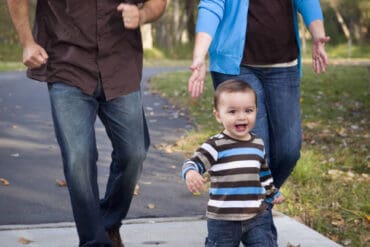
x=4 y=182
x=151 y=205
x=136 y=191
x=347 y=242
x=368 y=218
x=337 y=220
x=292 y=245
x=312 y=125
x=342 y=132
x=24 y=241
x=61 y=183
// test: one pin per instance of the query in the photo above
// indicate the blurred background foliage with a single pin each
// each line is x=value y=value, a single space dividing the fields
x=346 y=22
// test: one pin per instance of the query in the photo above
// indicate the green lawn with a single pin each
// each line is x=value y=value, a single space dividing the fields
x=329 y=188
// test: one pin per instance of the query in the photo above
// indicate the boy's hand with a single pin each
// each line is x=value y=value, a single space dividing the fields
x=194 y=182
x=278 y=199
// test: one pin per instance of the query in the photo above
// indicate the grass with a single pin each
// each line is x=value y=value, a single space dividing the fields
x=329 y=188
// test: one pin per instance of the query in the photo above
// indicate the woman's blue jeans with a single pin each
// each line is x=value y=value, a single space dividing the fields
x=74 y=114
x=278 y=115
x=255 y=232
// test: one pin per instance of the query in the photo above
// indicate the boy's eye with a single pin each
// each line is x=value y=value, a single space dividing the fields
x=232 y=111
x=249 y=110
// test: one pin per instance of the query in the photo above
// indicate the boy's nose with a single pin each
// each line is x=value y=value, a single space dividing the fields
x=242 y=115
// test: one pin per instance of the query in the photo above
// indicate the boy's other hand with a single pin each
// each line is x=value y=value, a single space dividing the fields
x=195 y=182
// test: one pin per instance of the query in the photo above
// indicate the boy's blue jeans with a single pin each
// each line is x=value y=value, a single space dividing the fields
x=278 y=116
x=255 y=232
x=74 y=114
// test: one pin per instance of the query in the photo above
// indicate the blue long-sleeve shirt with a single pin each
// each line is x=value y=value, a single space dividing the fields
x=226 y=22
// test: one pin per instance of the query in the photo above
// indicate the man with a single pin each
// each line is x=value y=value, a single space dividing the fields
x=90 y=54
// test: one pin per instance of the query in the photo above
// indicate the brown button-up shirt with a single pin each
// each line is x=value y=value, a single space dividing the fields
x=86 y=40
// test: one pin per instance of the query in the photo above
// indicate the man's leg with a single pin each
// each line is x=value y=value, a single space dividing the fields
x=74 y=115
x=125 y=124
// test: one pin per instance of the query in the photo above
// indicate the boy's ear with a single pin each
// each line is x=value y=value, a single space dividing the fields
x=217 y=115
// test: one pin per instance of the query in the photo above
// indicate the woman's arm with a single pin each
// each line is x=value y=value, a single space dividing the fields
x=319 y=39
x=198 y=66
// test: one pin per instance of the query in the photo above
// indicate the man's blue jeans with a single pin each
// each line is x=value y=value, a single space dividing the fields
x=255 y=232
x=74 y=114
x=278 y=115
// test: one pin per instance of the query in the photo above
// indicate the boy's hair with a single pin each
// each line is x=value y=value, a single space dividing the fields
x=232 y=86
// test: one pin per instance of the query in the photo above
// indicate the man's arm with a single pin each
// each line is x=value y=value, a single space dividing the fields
x=133 y=16
x=33 y=55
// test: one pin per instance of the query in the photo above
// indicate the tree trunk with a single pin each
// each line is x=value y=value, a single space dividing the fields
x=344 y=27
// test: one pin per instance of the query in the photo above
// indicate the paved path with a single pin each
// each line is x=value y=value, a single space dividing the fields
x=31 y=162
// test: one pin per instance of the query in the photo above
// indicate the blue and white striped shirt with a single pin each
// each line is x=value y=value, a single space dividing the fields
x=240 y=177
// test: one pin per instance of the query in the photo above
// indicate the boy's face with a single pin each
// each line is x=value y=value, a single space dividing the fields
x=237 y=112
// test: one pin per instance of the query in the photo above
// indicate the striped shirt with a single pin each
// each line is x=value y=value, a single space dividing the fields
x=239 y=175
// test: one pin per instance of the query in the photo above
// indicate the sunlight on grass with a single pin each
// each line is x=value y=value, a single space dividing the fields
x=11 y=66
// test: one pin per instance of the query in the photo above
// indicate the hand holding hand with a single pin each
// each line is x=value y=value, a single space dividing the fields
x=34 y=56
x=279 y=199
x=195 y=182
x=130 y=15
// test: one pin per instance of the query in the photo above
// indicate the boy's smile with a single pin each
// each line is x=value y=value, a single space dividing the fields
x=237 y=113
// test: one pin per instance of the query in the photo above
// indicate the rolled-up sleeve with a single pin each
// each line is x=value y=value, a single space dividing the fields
x=210 y=14
x=310 y=10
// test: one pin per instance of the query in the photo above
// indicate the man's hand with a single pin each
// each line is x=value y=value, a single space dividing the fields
x=194 y=182
x=130 y=15
x=34 y=56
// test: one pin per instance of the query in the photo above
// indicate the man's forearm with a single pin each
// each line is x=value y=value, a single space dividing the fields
x=152 y=10
x=19 y=13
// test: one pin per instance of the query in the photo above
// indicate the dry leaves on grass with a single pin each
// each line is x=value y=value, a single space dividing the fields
x=312 y=125
x=337 y=220
x=4 y=182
